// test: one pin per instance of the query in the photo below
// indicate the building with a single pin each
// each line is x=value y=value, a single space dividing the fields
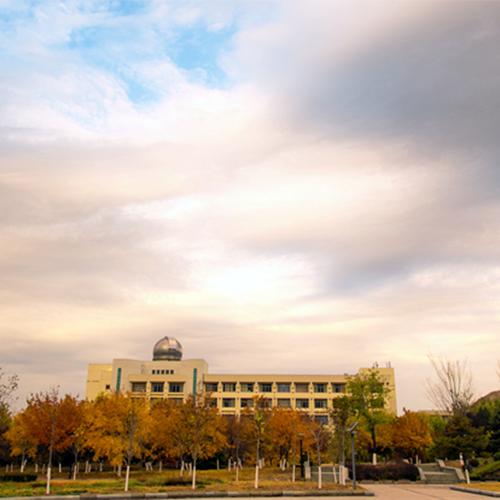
x=169 y=376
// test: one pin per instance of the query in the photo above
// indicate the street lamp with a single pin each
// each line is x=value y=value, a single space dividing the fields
x=352 y=431
x=301 y=437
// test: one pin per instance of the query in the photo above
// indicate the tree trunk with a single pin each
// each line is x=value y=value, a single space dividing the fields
x=193 y=484
x=127 y=476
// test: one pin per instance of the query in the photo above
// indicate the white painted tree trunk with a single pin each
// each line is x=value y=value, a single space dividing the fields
x=256 y=476
x=47 y=491
x=60 y=468
x=127 y=476
x=237 y=473
x=119 y=472
x=319 y=477
x=334 y=473
x=182 y=467
x=36 y=468
x=193 y=484
x=160 y=467
x=374 y=459
x=229 y=465
x=293 y=473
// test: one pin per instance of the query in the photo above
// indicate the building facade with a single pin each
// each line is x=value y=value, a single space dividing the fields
x=168 y=376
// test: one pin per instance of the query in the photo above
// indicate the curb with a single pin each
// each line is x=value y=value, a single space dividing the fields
x=201 y=494
x=476 y=491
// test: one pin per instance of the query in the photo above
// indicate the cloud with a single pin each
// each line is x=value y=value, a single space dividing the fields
x=330 y=195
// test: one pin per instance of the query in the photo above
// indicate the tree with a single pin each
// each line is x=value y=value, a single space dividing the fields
x=119 y=430
x=7 y=390
x=236 y=445
x=259 y=417
x=22 y=443
x=460 y=436
x=369 y=396
x=319 y=433
x=340 y=414
x=411 y=434
x=453 y=391
x=52 y=421
x=203 y=426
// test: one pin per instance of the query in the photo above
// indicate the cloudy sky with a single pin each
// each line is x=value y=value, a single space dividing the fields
x=284 y=186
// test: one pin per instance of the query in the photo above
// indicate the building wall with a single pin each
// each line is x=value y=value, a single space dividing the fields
x=231 y=392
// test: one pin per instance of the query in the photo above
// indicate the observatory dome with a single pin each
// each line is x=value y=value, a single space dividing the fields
x=168 y=349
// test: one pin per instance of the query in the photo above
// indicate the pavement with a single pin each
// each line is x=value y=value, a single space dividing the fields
x=417 y=492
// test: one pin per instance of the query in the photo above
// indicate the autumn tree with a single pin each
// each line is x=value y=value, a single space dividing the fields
x=319 y=433
x=411 y=434
x=258 y=417
x=52 y=421
x=119 y=430
x=165 y=418
x=236 y=444
x=204 y=429
x=369 y=396
x=22 y=443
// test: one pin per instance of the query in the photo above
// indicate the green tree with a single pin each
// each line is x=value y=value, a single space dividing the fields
x=460 y=436
x=340 y=414
x=369 y=396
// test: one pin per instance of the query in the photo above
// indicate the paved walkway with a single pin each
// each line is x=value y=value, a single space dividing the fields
x=417 y=492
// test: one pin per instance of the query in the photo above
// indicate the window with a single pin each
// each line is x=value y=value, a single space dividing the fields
x=157 y=386
x=266 y=387
x=211 y=386
x=212 y=402
x=229 y=387
x=246 y=386
x=176 y=387
x=320 y=403
x=319 y=387
x=301 y=387
x=302 y=403
x=246 y=403
x=138 y=386
x=108 y=387
x=163 y=372
x=153 y=371
x=338 y=387
x=284 y=403
x=228 y=403
x=321 y=419
x=177 y=401
x=283 y=387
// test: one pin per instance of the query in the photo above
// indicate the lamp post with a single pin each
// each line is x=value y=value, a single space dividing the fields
x=301 y=437
x=352 y=431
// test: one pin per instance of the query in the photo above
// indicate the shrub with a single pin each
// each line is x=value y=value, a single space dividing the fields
x=392 y=471
x=17 y=477
x=474 y=462
x=496 y=456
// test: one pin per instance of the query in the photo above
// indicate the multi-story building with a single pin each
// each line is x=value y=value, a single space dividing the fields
x=168 y=376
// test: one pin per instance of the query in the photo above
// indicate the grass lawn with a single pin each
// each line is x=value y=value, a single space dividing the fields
x=270 y=478
x=484 y=486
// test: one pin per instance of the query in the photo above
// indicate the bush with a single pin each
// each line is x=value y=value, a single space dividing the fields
x=496 y=456
x=17 y=477
x=474 y=462
x=392 y=471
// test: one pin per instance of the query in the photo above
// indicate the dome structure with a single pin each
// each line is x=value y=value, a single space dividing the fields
x=167 y=349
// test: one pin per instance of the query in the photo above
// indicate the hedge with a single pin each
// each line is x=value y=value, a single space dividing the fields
x=17 y=477
x=392 y=471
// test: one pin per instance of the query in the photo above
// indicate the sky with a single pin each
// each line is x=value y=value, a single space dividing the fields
x=284 y=186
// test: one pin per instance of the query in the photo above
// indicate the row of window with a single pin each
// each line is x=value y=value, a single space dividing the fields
x=175 y=387
x=281 y=402
x=268 y=387
x=162 y=372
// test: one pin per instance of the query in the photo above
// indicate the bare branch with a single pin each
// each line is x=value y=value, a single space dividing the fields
x=453 y=391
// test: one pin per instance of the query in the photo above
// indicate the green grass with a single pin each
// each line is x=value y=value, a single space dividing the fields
x=483 y=472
